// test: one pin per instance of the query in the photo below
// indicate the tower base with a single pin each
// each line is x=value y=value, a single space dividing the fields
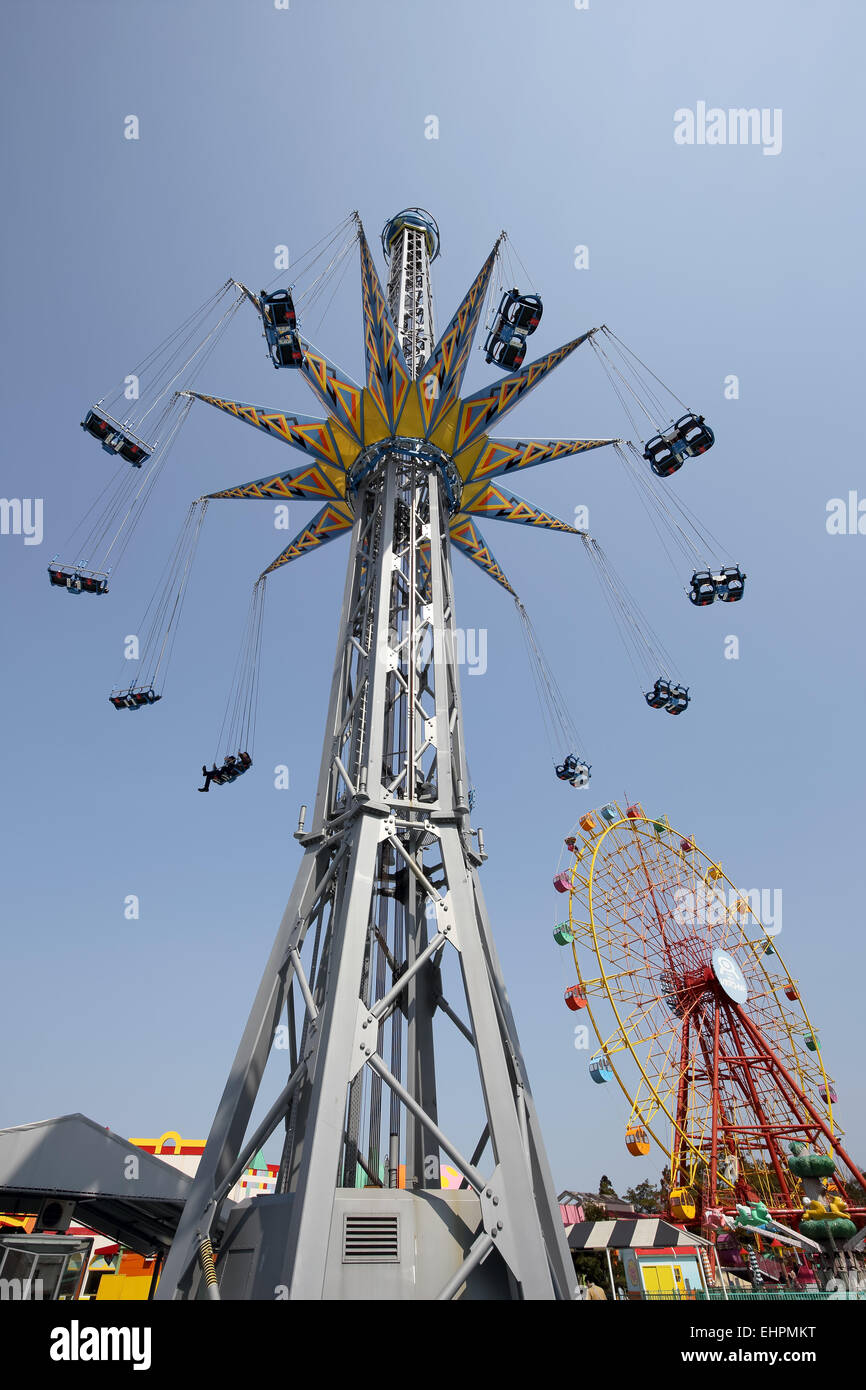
x=384 y=1243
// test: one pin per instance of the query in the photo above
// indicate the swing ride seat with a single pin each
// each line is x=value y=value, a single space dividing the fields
x=286 y=349
x=665 y=454
x=281 y=322
x=278 y=309
x=231 y=771
x=113 y=439
x=573 y=771
x=694 y=433
x=703 y=590
x=77 y=581
x=730 y=584
x=134 y=699
x=658 y=697
x=505 y=347
x=521 y=311
x=679 y=699
x=97 y=425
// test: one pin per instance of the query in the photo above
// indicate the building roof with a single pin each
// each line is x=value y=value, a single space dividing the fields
x=137 y=1203
x=644 y=1233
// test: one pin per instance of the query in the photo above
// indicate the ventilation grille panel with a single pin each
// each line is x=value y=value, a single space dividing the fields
x=371 y=1239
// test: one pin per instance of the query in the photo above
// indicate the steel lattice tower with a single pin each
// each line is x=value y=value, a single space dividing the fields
x=388 y=883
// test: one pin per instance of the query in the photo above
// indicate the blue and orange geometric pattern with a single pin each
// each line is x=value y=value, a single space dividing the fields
x=441 y=376
x=490 y=458
x=330 y=522
x=342 y=397
x=467 y=537
x=310 y=481
x=388 y=379
x=486 y=499
x=305 y=432
x=483 y=409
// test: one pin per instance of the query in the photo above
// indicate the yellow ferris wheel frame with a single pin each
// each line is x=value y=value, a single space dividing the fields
x=681 y=1142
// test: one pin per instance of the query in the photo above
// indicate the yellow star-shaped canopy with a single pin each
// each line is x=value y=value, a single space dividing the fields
x=394 y=406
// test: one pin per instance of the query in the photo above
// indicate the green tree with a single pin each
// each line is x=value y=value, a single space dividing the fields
x=645 y=1197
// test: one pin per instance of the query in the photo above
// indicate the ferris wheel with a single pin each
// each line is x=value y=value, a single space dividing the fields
x=695 y=1014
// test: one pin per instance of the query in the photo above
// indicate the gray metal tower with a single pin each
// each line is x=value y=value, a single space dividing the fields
x=387 y=894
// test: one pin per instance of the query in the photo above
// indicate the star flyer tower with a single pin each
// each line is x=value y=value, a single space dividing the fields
x=387 y=896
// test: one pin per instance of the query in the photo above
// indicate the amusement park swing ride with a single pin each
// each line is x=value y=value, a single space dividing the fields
x=406 y=467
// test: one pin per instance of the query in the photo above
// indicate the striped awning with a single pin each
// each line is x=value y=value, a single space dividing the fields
x=643 y=1232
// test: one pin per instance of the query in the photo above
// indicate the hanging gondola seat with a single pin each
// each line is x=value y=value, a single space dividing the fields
x=658 y=697
x=575 y=998
x=132 y=452
x=573 y=771
x=665 y=454
x=286 y=350
x=682 y=1205
x=694 y=432
x=600 y=1070
x=686 y=846
x=729 y=584
x=571 y=843
x=563 y=935
x=505 y=347
x=633 y=812
x=98 y=426
x=811 y=1041
x=135 y=699
x=278 y=309
x=609 y=814
x=637 y=1141
x=588 y=824
x=714 y=872
x=114 y=439
x=703 y=590
x=679 y=699
x=828 y=1097
x=791 y=992
x=280 y=324
x=232 y=768
x=77 y=581
x=521 y=311
x=91 y=585
x=562 y=883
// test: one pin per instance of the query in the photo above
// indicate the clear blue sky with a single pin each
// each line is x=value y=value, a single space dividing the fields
x=259 y=127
